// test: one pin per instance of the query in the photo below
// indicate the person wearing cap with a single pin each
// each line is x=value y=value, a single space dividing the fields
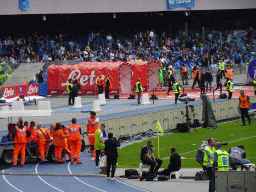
x=69 y=91
x=244 y=106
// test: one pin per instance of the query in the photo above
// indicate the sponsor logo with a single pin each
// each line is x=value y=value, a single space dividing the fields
x=76 y=75
x=20 y=89
x=89 y=92
x=32 y=89
x=113 y=91
x=8 y=92
x=54 y=92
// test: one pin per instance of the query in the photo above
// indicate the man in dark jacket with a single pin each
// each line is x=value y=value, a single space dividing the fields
x=175 y=163
x=75 y=89
x=40 y=77
x=202 y=83
x=208 y=79
x=111 y=152
x=218 y=81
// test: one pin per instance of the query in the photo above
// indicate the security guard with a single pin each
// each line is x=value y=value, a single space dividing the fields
x=176 y=90
x=230 y=88
x=108 y=85
x=69 y=91
x=184 y=73
x=138 y=89
x=229 y=73
x=254 y=85
x=196 y=76
x=247 y=65
x=208 y=162
x=99 y=143
x=222 y=68
x=244 y=105
x=220 y=162
x=169 y=80
x=1 y=68
x=100 y=84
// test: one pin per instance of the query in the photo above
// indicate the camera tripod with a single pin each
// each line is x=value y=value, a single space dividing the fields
x=188 y=120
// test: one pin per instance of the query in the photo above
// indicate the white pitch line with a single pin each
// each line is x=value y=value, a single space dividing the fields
x=131 y=185
x=228 y=142
x=10 y=183
x=45 y=181
x=82 y=181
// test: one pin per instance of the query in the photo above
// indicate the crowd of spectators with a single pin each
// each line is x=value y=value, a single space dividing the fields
x=145 y=45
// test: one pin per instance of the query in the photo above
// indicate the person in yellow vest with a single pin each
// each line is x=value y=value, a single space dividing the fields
x=99 y=143
x=208 y=162
x=230 y=88
x=229 y=73
x=220 y=161
x=69 y=91
x=244 y=106
x=247 y=65
x=184 y=73
x=176 y=90
x=254 y=85
x=1 y=68
x=222 y=68
x=108 y=85
x=138 y=90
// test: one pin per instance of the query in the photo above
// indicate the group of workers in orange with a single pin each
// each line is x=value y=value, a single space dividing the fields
x=64 y=138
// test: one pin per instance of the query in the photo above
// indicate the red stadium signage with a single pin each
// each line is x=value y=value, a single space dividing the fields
x=21 y=90
x=33 y=89
x=8 y=92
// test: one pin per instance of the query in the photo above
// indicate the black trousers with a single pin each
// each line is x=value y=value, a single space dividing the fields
x=244 y=113
x=100 y=89
x=176 y=97
x=70 y=96
x=97 y=157
x=211 y=175
x=168 y=171
x=111 y=161
x=169 y=86
x=230 y=95
x=219 y=86
x=202 y=86
x=153 y=164
x=222 y=74
x=196 y=80
x=254 y=92
x=107 y=92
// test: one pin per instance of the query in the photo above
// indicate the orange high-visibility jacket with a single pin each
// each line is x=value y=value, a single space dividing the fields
x=59 y=138
x=20 y=137
x=74 y=131
x=184 y=69
x=92 y=128
x=99 y=82
x=244 y=101
x=229 y=73
x=110 y=84
x=42 y=135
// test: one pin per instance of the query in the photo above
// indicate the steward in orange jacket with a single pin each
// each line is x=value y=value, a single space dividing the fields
x=32 y=137
x=42 y=139
x=20 y=134
x=65 y=131
x=58 y=142
x=52 y=127
x=75 y=141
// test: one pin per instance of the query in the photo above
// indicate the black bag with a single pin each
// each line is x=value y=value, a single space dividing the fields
x=131 y=96
x=130 y=172
x=202 y=175
x=75 y=87
x=134 y=177
x=223 y=96
x=116 y=96
x=144 y=173
x=162 y=178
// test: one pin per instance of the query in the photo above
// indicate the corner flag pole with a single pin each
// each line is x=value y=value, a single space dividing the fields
x=158 y=144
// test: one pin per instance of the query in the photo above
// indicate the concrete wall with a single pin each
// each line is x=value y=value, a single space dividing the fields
x=168 y=119
x=11 y=7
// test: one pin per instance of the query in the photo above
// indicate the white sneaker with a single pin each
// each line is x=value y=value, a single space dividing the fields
x=108 y=178
x=97 y=167
x=113 y=178
x=93 y=159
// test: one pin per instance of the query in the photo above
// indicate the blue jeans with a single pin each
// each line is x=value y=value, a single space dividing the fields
x=139 y=96
x=208 y=83
x=242 y=161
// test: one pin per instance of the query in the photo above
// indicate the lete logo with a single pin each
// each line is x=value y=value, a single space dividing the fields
x=32 y=89
x=8 y=92
x=76 y=74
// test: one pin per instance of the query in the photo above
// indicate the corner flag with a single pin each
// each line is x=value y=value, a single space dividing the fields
x=158 y=127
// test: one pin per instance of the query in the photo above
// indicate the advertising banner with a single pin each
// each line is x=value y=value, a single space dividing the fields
x=172 y=4
x=9 y=92
x=21 y=90
x=32 y=89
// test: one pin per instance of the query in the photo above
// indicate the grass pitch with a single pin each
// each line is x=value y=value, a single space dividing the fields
x=186 y=144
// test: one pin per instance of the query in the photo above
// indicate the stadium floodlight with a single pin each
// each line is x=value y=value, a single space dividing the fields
x=44 y=17
x=114 y=15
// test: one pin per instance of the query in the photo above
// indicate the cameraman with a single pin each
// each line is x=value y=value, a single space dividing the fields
x=111 y=152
